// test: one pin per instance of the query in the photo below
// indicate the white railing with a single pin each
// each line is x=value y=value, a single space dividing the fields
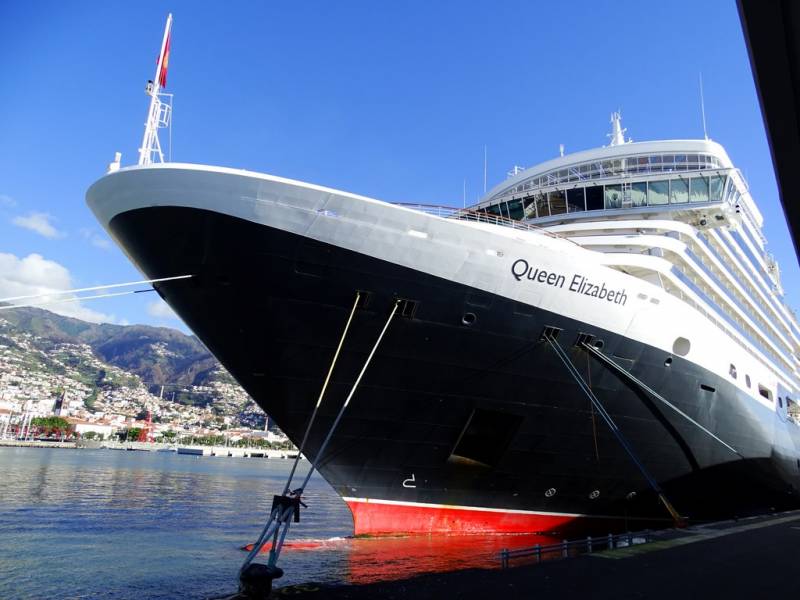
x=466 y=214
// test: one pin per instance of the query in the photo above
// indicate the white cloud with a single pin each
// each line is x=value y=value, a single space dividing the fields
x=35 y=274
x=161 y=310
x=40 y=223
x=6 y=200
x=95 y=239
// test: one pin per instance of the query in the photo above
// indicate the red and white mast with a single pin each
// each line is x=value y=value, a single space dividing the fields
x=160 y=104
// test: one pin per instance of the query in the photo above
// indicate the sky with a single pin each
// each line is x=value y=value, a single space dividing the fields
x=390 y=100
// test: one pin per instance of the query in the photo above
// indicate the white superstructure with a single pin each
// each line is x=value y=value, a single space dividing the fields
x=679 y=215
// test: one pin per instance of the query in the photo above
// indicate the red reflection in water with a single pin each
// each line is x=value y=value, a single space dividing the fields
x=387 y=558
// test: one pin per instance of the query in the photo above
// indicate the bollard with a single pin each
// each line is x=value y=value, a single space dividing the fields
x=610 y=542
x=504 y=558
x=589 y=544
x=538 y=553
x=630 y=539
x=255 y=582
x=564 y=550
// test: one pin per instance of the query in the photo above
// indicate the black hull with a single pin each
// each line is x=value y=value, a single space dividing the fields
x=271 y=306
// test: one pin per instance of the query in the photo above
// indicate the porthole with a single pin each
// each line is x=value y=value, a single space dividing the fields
x=668 y=362
x=468 y=319
x=747 y=380
x=594 y=494
x=732 y=371
x=681 y=346
x=599 y=344
x=550 y=493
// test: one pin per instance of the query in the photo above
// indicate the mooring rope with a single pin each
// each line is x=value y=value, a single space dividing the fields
x=283 y=517
x=321 y=394
x=94 y=288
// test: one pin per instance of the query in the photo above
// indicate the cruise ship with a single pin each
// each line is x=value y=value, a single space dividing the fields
x=601 y=338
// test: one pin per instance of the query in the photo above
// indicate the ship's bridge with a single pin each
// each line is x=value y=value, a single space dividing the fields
x=681 y=177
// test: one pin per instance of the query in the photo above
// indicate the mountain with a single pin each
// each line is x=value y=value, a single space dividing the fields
x=158 y=355
x=106 y=357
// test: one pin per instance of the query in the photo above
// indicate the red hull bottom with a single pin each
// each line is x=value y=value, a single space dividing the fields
x=380 y=517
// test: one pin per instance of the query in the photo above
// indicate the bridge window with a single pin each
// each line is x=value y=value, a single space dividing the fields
x=576 y=201
x=698 y=189
x=542 y=208
x=678 y=191
x=594 y=198
x=530 y=207
x=558 y=202
x=658 y=192
x=716 y=183
x=515 y=209
x=613 y=196
x=639 y=194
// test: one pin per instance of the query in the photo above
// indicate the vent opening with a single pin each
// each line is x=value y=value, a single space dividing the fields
x=485 y=438
x=407 y=308
x=707 y=388
x=584 y=338
x=468 y=319
x=550 y=332
x=364 y=299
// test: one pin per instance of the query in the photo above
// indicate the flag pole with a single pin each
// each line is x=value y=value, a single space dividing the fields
x=150 y=140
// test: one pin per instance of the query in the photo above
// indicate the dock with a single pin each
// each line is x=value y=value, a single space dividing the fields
x=748 y=558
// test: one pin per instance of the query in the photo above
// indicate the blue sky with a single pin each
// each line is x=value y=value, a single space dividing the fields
x=390 y=100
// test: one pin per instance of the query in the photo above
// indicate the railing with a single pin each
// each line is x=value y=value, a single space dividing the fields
x=466 y=214
x=575 y=547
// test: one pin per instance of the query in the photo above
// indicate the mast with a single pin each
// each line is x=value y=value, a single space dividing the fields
x=159 y=114
x=617 y=134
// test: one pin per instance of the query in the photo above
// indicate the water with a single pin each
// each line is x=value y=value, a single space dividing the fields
x=148 y=525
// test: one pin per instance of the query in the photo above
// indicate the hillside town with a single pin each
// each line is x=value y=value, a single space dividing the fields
x=101 y=401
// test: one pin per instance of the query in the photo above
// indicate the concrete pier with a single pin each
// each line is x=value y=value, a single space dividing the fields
x=749 y=558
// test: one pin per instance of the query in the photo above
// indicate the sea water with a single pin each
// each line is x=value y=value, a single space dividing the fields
x=116 y=524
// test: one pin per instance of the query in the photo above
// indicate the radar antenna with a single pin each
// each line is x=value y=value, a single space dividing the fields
x=160 y=112
x=617 y=134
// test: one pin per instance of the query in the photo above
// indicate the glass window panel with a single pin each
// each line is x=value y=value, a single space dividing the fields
x=698 y=189
x=606 y=166
x=542 y=208
x=575 y=200
x=562 y=175
x=584 y=169
x=529 y=205
x=493 y=210
x=613 y=196
x=658 y=192
x=680 y=162
x=678 y=191
x=692 y=158
x=594 y=198
x=558 y=202
x=716 y=184
x=638 y=194
x=515 y=209
x=655 y=160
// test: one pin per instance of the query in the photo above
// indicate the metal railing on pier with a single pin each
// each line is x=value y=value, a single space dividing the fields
x=568 y=549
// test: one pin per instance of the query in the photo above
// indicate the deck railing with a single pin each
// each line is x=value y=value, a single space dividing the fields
x=466 y=214
x=567 y=549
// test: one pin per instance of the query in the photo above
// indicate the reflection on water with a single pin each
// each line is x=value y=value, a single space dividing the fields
x=382 y=559
x=114 y=524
